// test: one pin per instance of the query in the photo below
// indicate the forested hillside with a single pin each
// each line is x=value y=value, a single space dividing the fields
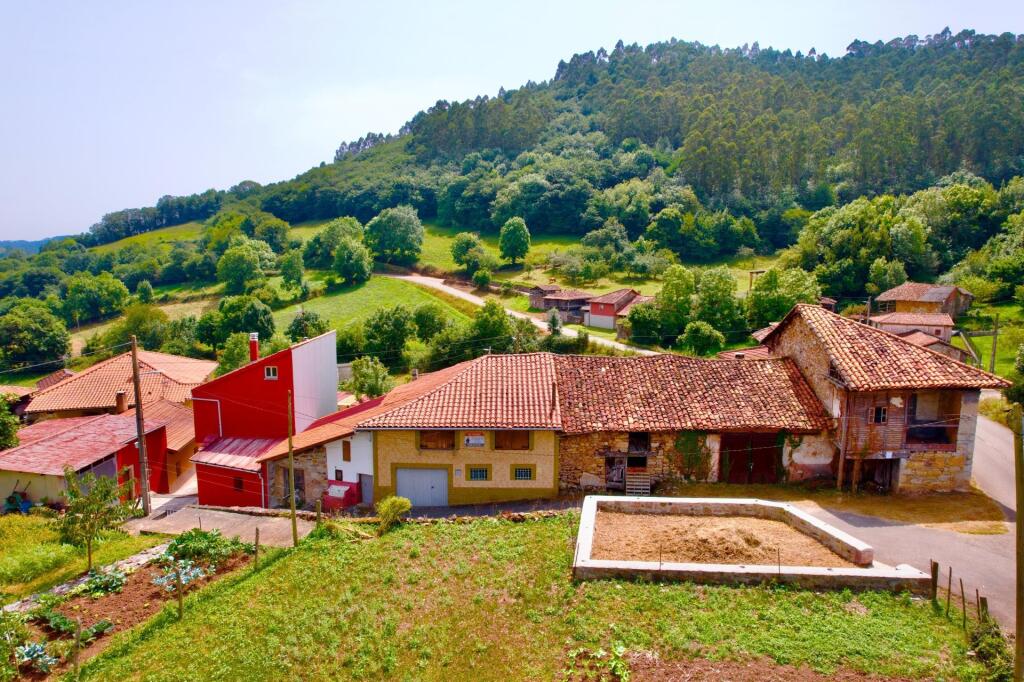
x=848 y=174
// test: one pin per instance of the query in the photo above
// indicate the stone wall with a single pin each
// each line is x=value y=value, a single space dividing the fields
x=313 y=465
x=807 y=456
x=949 y=470
x=584 y=454
x=797 y=342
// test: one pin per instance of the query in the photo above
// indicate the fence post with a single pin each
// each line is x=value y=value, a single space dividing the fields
x=935 y=580
x=256 y=554
x=963 y=605
x=318 y=503
x=179 y=589
x=949 y=590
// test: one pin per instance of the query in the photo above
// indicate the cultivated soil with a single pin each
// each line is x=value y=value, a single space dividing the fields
x=646 y=668
x=706 y=539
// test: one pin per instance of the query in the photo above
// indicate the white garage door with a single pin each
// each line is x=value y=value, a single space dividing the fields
x=423 y=487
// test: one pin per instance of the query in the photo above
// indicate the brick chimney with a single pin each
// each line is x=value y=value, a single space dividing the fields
x=120 y=401
x=254 y=346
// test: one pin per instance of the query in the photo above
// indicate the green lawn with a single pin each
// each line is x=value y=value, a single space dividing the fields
x=175 y=311
x=306 y=230
x=357 y=303
x=32 y=559
x=1006 y=350
x=164 y=236
x=494 y=600
x=437 y=244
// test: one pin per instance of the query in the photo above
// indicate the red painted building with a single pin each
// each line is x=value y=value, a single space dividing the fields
x=242 y=414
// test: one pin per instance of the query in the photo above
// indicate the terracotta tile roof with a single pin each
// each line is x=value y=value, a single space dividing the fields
x=920 y=338
x=752 y=353
x=164 y=376
x=919 y=291
x=54 y=377
x=48 y=445
x=569 y=295
x=234 y=453
x=870 y=359
x=19 y=391
x=826 y=300
x=617 y=297
x=637 y=300
x=673 y=392
x=549 y=288
x=919 y=319
x=176 y=417
x=763 y=332
x=492 y=391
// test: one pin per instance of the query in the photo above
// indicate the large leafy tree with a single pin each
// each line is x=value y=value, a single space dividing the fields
x=9 y=422
x=245 y=314
x=305 y=325
x=701 y=338
x=91 y=297
x=395 y=235
x=386 y=331
x=715 y=302
x=514 y=240
x=30 y=333
x=94 y=504
x=370 y=378
x=675 y=300
x=239 y=267
x=292 y=271
x=775 y=292
x=352 y=261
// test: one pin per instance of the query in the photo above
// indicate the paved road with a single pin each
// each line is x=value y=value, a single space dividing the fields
x=274 y=530
x=993 y=464
x=438 y=283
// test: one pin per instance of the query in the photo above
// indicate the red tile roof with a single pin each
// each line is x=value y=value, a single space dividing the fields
x=569 y=295
x=915 y=319
x=54 y=377
x=617 y=297
x=48 y=445
x=164 y=376
x=178 y=419
x=234 y=453
x=752 y=353
x=673 y=392
x=19 y=391
x=492 y=391
x=920 y=291
x=870 y=359
x=759 y=334
x=637 y=300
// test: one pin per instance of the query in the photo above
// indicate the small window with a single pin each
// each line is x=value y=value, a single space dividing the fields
x=833 y=372
x=346 y=451
x=523 y=473
x=511 y=440
x=879 y=415
x=478 y=474
x=938 y=332
x=339 y=475
x=238 y=484
x=639 y=441
x=437 y=440
x=270 y=373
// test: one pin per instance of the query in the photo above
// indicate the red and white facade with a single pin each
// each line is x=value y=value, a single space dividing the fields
x=240 y=415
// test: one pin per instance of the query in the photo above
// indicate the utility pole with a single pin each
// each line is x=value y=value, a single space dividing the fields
x=291 y=475
x=867 y=313
x=1017 y=420
x=140 y=428
x=995 y=341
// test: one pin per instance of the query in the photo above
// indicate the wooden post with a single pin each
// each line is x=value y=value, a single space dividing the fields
x=256 y=554
x=140 y=430
x=935 y=580
x=963 y=605
x=1018 y=467
x=291 y=476
x=867 y=314
x=995 y=342
x=318 y=504
x=179 y=589
x=855 y=479
x=977 y=602
x=949 y=590
x=984 y=607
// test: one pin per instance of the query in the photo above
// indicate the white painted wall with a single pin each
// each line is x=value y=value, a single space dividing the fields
x=362 y=457
x=602 y=321
x=315 y=380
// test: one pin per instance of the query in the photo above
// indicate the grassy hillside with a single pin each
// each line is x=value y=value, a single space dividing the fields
x=165 y=236
x=494 y=600
x=357 y=303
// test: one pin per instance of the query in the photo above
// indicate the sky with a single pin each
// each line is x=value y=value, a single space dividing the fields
x=108 y=105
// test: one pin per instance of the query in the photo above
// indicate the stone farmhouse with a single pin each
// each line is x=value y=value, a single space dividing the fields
x=918 y=297
x=829 y=397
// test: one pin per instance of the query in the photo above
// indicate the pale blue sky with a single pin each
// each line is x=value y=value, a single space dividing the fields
x=108 y=105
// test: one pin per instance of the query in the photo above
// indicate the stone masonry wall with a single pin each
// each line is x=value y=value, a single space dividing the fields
x=313 y=464
x=944 y=471
x=581 y=454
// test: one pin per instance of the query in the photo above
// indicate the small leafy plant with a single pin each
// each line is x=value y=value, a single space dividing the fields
x=101 y=583
x=188 y=571
x=35 y=655
x=206 y=545
x=390 y=511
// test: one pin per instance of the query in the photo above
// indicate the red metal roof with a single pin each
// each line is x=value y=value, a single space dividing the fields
x=78 y=442
x=617 y=297
x=871 y=359
x=234 y=453
x=178 y=419
x=569 y=295
x=164 y=376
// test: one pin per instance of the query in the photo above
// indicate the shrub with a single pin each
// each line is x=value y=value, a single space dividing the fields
x=188 y=571
x=390 y=511
x=35 y=655
x=13 y=634
x=996 y=409
x=206 y=545
x=482 y=279
x=992 y=650
x=101 y=583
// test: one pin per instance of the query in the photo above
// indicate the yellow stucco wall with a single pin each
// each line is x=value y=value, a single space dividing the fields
x=400 y=449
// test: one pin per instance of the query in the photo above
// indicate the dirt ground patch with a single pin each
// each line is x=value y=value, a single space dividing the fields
x=646 y=668
x=706 y=539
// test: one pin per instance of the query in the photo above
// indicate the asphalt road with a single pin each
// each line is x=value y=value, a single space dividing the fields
x=993 y=464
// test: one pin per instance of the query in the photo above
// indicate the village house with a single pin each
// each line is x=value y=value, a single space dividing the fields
x=537 y=292
x=106 y=387
x=919 y=338
x=242 y=414
x=181 y=435
x=904 y=416
x=607 y=310
x=17 y=397
x=99 y=444
x=939 y=325
x=918 y=297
